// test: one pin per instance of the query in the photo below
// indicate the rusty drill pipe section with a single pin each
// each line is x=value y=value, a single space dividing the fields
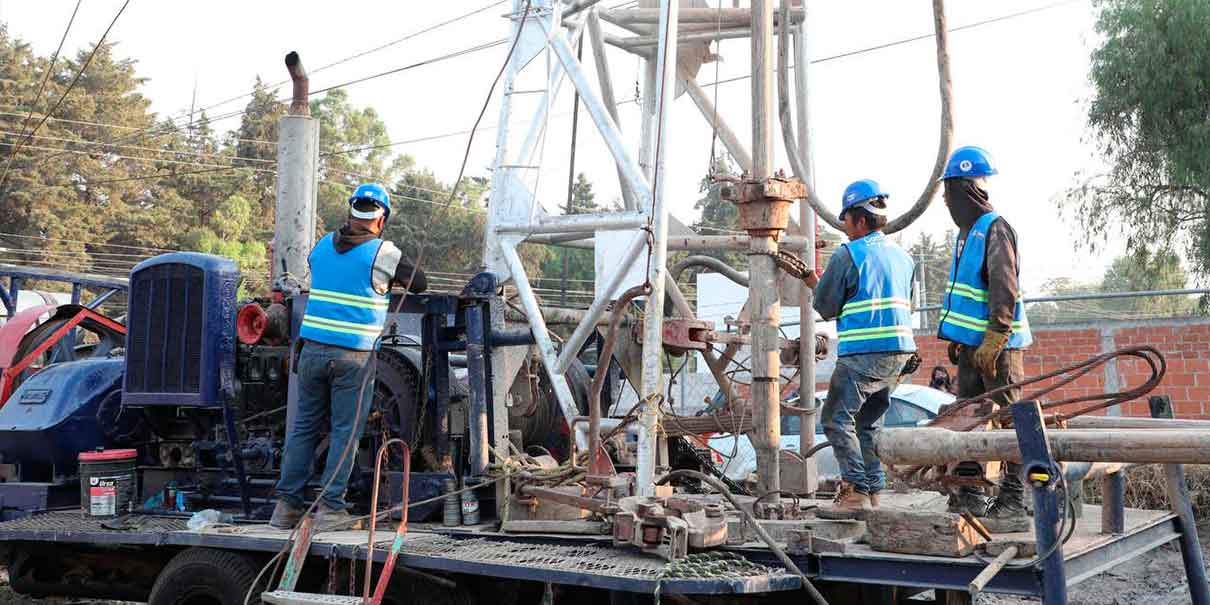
x=932 y=446
x=598 y=379
x=764 y=205
x=302 y=86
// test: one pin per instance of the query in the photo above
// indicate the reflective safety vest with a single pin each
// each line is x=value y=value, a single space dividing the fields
x=343 y=309
x=964 y=310
x=878 y=318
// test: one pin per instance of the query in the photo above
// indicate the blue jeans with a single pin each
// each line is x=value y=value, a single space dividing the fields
x=329 y=379
x=858 y=396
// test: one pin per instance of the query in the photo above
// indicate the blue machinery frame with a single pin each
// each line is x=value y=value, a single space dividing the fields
x=17 y=276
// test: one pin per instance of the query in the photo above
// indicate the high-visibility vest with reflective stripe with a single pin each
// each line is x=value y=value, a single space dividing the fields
x=343 y=309
x=964 y=310
x=878 y=317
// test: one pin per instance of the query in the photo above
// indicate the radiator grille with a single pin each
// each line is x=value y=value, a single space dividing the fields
x=164 y=354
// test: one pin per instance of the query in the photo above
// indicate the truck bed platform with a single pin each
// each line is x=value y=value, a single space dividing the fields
x=593 y=561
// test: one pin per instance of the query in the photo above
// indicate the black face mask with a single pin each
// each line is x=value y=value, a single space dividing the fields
x=966 y=201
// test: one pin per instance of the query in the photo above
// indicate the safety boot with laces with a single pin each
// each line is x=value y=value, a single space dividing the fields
x=285 y=515
x=848 y=504
x=1006 y=514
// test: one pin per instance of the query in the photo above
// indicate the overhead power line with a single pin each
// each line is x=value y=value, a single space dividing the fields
x=70 y=87
x=50 y=68
x=358 y=55
x=887 y=45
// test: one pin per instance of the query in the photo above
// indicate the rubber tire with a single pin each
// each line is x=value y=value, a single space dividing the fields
x=220 y=574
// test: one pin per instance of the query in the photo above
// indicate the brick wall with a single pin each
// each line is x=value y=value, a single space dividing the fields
x=1185 y=344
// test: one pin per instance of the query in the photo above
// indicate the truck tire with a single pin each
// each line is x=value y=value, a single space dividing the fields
x=204 y=576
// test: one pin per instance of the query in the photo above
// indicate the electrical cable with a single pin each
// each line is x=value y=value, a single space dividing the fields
x=45 y=77
x=358 y=55
x=884 y=46
x=70 y=86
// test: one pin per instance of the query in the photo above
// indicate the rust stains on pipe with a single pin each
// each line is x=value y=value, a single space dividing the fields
x=302 y=85
x=598 y=379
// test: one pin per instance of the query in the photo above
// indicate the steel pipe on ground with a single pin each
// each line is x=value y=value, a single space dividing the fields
x=932 y=446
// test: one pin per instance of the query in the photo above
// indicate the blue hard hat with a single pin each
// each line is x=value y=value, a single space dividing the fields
x=375 y=193
x=860 y=193
x=969 y=162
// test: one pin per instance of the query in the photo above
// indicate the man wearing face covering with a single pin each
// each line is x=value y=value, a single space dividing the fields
x=984 y=319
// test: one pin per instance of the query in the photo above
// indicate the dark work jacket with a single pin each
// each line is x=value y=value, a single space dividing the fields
x=1001 y=266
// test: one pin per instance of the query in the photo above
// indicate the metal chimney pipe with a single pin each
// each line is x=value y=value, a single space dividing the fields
x=297 y=188
x=302 y=85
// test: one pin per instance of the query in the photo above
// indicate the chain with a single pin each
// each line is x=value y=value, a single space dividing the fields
x=713 y=564
x=787 y=262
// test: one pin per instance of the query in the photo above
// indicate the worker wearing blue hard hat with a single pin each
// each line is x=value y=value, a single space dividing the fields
x=352 y=271
x=867 y=289
x=983 y=318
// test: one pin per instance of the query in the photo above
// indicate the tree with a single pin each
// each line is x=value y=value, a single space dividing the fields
x=933 y=256
x=1151 y=81
x=576 y=264
x=231 y=233
x=719 y=217
x=354 y=148
x=1147 y=270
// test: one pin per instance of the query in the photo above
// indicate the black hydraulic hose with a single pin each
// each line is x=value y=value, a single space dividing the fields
x=699 y=260
x=760 y=531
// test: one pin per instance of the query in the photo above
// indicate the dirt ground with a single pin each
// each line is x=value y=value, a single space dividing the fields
x=1157 y=578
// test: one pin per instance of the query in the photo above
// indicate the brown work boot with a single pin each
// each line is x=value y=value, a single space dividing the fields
x=849 y=504
x=285 y=515
x=334 y=519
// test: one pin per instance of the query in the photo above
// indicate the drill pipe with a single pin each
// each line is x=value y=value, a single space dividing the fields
x=932 y=446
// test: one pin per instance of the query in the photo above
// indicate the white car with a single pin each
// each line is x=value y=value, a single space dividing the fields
x=911 y=405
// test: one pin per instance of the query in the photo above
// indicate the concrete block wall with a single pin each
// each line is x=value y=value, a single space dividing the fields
x=1185 y=344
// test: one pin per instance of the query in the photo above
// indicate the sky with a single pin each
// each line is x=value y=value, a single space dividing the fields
x=1020 y=91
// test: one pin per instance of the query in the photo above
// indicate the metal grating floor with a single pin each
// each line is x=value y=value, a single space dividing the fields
x=76 y=522
x=597 y=565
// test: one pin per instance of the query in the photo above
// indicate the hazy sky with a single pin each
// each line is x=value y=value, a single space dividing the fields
x=1020 y=88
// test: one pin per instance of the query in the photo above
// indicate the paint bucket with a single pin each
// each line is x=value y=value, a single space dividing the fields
x=107 y=482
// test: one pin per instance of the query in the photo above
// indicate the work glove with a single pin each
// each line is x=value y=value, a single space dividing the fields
x=989 y=351
x=955 y=349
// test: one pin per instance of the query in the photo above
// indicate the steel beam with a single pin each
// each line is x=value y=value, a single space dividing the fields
x=806 y=218
x=600 y=116
x=653 y=325
x=1178 y=498
x=576 y=223
x=596 y=310
x=537 y=325
x=719 y=124
x=597 y=39
x=1041 y=474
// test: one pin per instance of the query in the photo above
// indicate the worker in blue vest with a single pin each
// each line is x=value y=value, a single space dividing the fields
x=352 y=271
x=983 y=318
x=867 y=289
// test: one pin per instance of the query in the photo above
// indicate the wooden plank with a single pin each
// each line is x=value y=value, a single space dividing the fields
x=923 y=533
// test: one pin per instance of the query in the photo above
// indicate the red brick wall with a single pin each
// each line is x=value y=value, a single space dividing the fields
x=1185 y=345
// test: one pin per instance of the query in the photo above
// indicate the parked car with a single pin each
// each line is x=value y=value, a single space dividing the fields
x=911 y=405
